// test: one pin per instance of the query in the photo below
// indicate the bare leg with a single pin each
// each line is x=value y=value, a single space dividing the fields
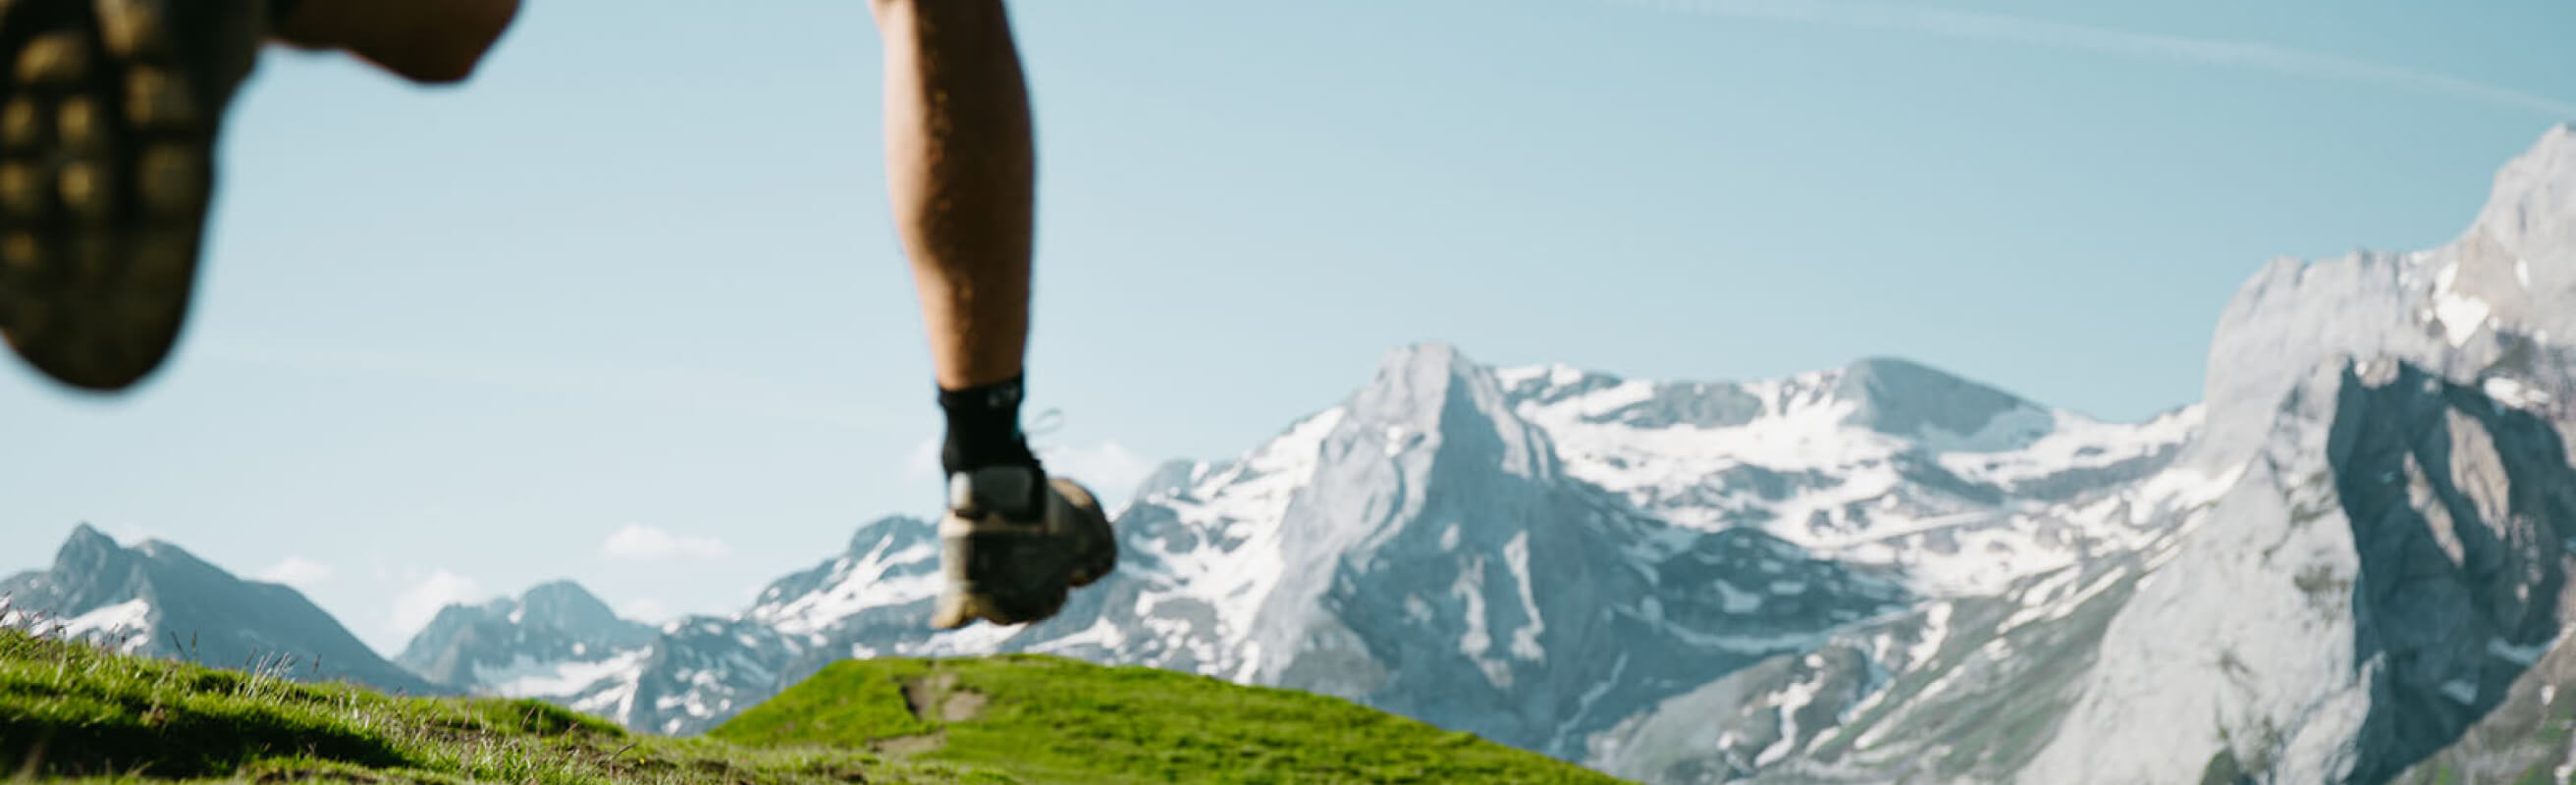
x=962 y=167
x=963 y=170
x=429 y=41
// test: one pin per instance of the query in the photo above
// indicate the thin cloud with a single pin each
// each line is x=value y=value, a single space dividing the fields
x=415 y=606
x=1973 y=26
x=646 y=610
x=1108 y=468
x=638 y=541
x=922 y=461
x=302 y=573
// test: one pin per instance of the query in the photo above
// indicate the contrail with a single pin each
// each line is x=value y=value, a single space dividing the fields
x=1974 y=26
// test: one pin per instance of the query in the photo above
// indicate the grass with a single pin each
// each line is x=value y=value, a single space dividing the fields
x=72 y=712
x=1046 y=719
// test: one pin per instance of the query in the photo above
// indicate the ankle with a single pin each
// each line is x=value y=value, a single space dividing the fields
x=984 y=427
x=987 y=457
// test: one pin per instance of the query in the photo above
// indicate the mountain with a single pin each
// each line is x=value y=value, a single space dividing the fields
x=1536 y=555
x=2355 y=570
x=1532 y=554
x=156 y=599
x=1422 y=548
x=551 y=640
x=2387 y=579
x=689 y=674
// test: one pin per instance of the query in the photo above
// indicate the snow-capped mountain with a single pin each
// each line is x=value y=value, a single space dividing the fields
x=552 y=640
x=1424 y=549
x=2388 y=577
x=560 y=644
x=2354 y=572
x=159 y=600
x=1882 y=462
x=1533 y=554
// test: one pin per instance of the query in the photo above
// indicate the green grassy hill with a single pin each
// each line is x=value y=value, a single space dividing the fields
x=71 y=713
x=1044 y=719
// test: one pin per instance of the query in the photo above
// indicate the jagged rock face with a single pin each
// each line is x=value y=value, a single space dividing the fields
x=159 y=600
x=1958 y=689
x=2462 y=570
x=2493 y=296
x=2389 y=566
x=2353 y=574
x=1438 y=566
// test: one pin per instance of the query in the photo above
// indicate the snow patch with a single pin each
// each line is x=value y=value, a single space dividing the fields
x=1936 y=631
x=856 y=585
x=1470 y=589
x=2514 y=393
x=108 y=623
x=526 y=678
x=2460 y=315
x=1524 y=640
x=1792 y=699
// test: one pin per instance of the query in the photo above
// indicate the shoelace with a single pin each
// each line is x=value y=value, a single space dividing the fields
x=1046 y=422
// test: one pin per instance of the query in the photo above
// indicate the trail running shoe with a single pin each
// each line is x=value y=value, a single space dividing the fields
x=1017 y=568
x=108 y=118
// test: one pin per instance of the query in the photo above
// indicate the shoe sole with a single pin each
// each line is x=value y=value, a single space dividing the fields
x=107 y=137
x=1104 y=560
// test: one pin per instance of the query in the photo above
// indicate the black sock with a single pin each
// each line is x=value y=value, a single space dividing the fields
x=984 y=427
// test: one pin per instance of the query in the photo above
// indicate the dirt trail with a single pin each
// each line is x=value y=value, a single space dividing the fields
x=935 y=700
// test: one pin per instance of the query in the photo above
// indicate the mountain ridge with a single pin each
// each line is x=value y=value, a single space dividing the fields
x=158 y=599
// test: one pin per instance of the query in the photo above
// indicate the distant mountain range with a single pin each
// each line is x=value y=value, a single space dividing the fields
x=158 y=600
x=2345 y=565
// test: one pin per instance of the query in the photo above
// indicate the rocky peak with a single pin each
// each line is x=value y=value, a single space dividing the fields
x=567 y=605
x=1428 y=400
x=90 y=569
x=1910 y=400
x=1173 y=478
x=892 y=532
x=2534 y=198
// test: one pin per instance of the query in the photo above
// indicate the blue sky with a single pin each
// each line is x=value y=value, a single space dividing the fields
x=626 y=307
